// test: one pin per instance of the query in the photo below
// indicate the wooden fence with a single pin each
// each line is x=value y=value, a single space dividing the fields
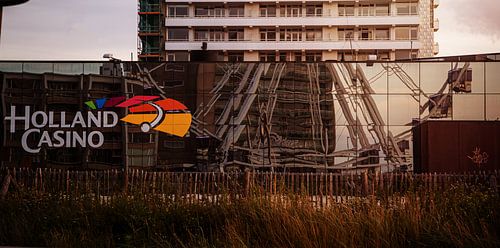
x=202 y=186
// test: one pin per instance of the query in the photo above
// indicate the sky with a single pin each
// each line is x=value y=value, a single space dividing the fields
x=86 y=29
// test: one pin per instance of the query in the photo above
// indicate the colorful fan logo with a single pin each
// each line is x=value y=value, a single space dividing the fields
x=167 y=115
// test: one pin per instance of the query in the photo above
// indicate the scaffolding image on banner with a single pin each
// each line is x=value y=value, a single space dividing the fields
x=242 y=116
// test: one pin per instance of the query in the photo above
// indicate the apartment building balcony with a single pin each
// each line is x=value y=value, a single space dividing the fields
x=294 y=45
x=436 y=3
x=436 y=24
x=289 y=21
x=436 y=48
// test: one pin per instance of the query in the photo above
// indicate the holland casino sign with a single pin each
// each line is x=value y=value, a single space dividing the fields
x=168 y=116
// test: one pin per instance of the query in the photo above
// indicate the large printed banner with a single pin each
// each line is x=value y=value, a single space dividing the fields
x=240 y=116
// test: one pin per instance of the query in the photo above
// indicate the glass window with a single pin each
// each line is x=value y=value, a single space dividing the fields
x=314 y=34
x=209 y=35
x=267 y=57
x=290 y=34
x=314 y=10
x=291 y=11
x=406 y=8
x=216 y=35
x=346 y=10
x=178 y=56
x=382 y=10
x=313 y=56
x=297 y=56
x=406 y=54
x=406 y=33
x=268 y=11
x=365 y=34
x=346 y=34
x=282 y=57
x=468 y=106
x=236 y=11
x=236 y=34
x=492 y=82
x=201 y=12
x=235 y=56
x=268 y=34
x=414 y=33
x=381 y=34
x=210 y=12
x=178 y=11
x=366 y=10
x=181 y=34
x=201 y=35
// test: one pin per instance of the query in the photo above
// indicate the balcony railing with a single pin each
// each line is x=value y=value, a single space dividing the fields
x=301 y=40
x=285 y=21
x=293 y=45
x=278 y=16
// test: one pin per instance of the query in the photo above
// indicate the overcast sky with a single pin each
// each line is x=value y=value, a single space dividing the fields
x=86 y=29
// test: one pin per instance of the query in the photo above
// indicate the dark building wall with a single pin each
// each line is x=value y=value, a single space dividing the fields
x=449 y=146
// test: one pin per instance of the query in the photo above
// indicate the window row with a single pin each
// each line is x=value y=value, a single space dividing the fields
x=298 y=56
x=294 y=10
x=293 y=34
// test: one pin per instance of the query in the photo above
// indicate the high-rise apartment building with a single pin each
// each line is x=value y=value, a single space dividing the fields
x=286 y=30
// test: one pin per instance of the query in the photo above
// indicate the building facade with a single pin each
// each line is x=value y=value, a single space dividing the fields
x=287 y=30
x=327 y=116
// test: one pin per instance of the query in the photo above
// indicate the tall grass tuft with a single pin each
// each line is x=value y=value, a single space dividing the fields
x=457 y=217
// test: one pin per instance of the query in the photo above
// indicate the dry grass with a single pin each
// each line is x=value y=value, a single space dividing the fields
x=458 y=217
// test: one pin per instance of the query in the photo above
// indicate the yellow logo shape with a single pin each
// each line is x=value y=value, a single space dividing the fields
x=168 y=115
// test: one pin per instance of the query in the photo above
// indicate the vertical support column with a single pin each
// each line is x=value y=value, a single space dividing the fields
x=125 y=142
x=392 y=8
x=1 y=17
x=392 y=32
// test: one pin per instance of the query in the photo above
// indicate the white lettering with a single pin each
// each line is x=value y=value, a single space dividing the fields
x=58 y=138
x=61 y=138
x=63 y=120
x=78 y=120
x=114 y=119
x=94 y=119
x=13 y=118
x=34 y=119
x=24 y=141
x=79 y=139
x=91 y=139
x=51 y=120
x=45 y=139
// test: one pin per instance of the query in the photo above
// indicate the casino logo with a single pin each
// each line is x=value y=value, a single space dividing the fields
x=166 y=115
x=61 y=129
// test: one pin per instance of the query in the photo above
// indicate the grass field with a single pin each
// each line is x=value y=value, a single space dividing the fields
x=458 y=217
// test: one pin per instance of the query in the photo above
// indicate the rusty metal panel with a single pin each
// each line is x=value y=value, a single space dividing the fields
x=457 y=146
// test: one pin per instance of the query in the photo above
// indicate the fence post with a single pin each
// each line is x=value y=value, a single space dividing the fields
x=493 y=183
x=365 y=184
x=6 y=183
x=246 y=183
